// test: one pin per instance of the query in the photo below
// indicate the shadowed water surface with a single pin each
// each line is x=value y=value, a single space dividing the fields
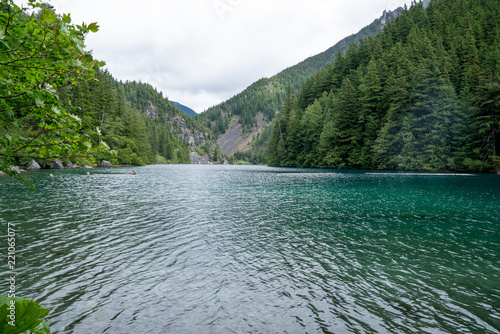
x=228 y=249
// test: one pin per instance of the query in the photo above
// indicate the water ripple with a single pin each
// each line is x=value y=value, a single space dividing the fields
x=225 y=249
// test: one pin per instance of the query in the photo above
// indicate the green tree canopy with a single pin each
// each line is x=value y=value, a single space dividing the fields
x=41 y=52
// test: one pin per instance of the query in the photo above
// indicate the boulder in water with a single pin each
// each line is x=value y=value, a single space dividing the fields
x=33 y=165
x=105 y=164
x=57 y=164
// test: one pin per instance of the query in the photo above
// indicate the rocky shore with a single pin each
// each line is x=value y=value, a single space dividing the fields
x=33 y=165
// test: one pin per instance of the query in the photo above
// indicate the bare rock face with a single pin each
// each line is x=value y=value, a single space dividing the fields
x=194 y=138
x=57 y=164
x=151 y=110
x=234 y=140
x=33 y=165
x=197 y=159
x=105 y=164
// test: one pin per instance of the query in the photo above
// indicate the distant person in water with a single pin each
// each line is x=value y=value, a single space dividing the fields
x=132 y=172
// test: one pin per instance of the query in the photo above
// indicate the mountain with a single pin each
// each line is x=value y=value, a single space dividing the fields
x=424 y=94
x=261 y=101
x=138 y=121
x=188 y=111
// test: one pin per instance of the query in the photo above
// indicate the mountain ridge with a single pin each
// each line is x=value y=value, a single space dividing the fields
x=266 y=96
x=188 y=111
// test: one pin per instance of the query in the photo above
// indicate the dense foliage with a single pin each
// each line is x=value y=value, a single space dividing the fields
x=56 y=103
x=424 y=94
x=133 y=118
x=40 y=53
x=268 y=94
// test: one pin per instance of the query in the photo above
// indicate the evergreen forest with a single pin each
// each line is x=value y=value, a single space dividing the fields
x=134 y=119
x=424 y=94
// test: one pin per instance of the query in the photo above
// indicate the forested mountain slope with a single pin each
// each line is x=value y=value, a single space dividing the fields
x=188 y=111
x=137 y=121
x=266 y=96
x=424 y=94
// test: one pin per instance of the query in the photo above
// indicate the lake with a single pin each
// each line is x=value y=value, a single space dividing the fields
x=248 y=249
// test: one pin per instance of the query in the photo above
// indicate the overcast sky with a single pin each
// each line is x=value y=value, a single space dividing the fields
x=202 y=52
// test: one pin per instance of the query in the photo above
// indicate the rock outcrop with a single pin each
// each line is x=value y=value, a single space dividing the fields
x=57 y=164
x=188 y=133
x=105 y=164
x=389 y=16
x=33 y=165
x=194 y=138
x=234 y=140
x=150 y=110
x=197 y=159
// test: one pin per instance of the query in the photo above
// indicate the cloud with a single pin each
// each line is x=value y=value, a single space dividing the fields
x=202 y=52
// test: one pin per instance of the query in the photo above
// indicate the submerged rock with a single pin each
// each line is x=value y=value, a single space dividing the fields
x=105 y=164
x=57 y=164
x=33 y=165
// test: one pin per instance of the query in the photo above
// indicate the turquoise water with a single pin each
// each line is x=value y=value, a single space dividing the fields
x=232 y=249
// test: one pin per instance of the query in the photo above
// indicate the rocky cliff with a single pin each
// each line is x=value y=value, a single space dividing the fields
x=193 y=137
x=234 y=140
x=188 y=131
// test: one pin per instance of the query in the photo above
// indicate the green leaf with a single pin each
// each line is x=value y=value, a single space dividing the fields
x=56 y=110
x=76 y=118
x=28 y=315
x=67 y=18
x=39 y=103
x=93 y=27
x=43 y=328
x=47 y=15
